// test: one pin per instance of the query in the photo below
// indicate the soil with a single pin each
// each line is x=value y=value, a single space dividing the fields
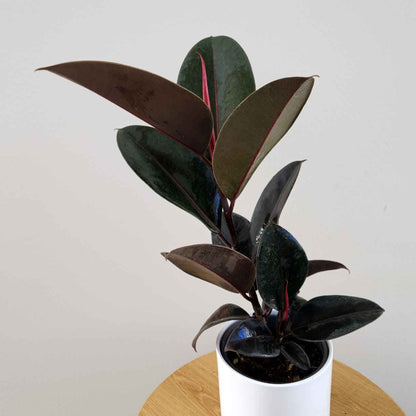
x=278 y=369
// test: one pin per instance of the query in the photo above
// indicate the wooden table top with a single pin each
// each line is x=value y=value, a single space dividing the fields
x=193 y=391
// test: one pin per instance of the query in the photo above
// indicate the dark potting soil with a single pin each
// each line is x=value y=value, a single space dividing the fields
x=278 y=369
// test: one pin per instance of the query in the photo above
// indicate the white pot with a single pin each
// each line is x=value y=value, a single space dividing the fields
x=244 y=396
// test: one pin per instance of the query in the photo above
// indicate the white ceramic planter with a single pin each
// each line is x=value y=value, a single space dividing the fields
x=243 y=396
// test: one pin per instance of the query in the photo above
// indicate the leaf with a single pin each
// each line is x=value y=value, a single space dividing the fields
x=253 y=338
x=254 y=128
x=229 y=75
x=251 y=327
x=224 y=313
x=329 y=317
x=205 y=98
x=174 y=172
x=163 y=104
x=257 y=347
x=317 y=266
x=221 y=266
x=280 y=258
x=242 y=230
x=273 y=199
x=294 y=306
x=293 y=352
x=297 y=303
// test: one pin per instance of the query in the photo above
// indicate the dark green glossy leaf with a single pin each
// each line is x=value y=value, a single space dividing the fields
x=174 y=172
x=280 y=258
x=296 y=355
x=273 y=199
x=257 y=347
x=254 y=128
x=163 y=104
x=224 y=313
x=221 y=266
x=251 y=327
x=294 y=306
x=317 y=266
x=230 y=78
x=242 y=230
x=329 y=317
x=297 y=303
x=253 y=338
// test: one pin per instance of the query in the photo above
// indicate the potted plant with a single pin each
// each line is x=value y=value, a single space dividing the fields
x=210 y=132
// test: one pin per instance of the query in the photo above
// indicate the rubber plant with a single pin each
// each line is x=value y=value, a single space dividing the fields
x=210 y=131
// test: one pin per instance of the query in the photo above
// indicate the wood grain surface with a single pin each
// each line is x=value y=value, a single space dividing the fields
x=193 y=391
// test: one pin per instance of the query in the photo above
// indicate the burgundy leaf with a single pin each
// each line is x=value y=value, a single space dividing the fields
x=317 y=266
x=218 y=265
x=224 y=313
x=168 y=107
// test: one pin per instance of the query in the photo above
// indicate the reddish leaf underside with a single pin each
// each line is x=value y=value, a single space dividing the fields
x=254 y=128
x=224 y=313
x=218 y=265
x=168 y=107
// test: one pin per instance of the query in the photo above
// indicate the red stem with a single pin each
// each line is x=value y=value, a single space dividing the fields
x=286 y=311
x=228 y=213
x=228 y=209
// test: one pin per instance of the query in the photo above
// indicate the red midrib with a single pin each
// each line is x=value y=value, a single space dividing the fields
x=234 y=197
x=206 y=99
x=129 y=111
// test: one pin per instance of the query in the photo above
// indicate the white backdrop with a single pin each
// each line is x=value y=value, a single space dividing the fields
x=92 y=318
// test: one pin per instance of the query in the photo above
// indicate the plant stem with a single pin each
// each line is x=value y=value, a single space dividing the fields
x=229 y=218
x=255 y=302
x=224 y=202
x=252 y=298
x=246 y=297
x=228 y=209
x=228 y=214
x=222 y=238
x=279 y=325
x=267 y=311
x=206 y=161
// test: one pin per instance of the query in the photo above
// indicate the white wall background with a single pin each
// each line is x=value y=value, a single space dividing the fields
x=91 y=317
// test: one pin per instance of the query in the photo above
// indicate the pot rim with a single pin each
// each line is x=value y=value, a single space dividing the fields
x=309 y=379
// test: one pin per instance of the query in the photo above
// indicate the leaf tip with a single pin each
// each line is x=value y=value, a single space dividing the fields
x=44 y=68
x=194 y=341
x=165 y=254
x=342 y=266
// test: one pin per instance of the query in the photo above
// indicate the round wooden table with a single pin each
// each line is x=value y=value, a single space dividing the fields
x=193 y=391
